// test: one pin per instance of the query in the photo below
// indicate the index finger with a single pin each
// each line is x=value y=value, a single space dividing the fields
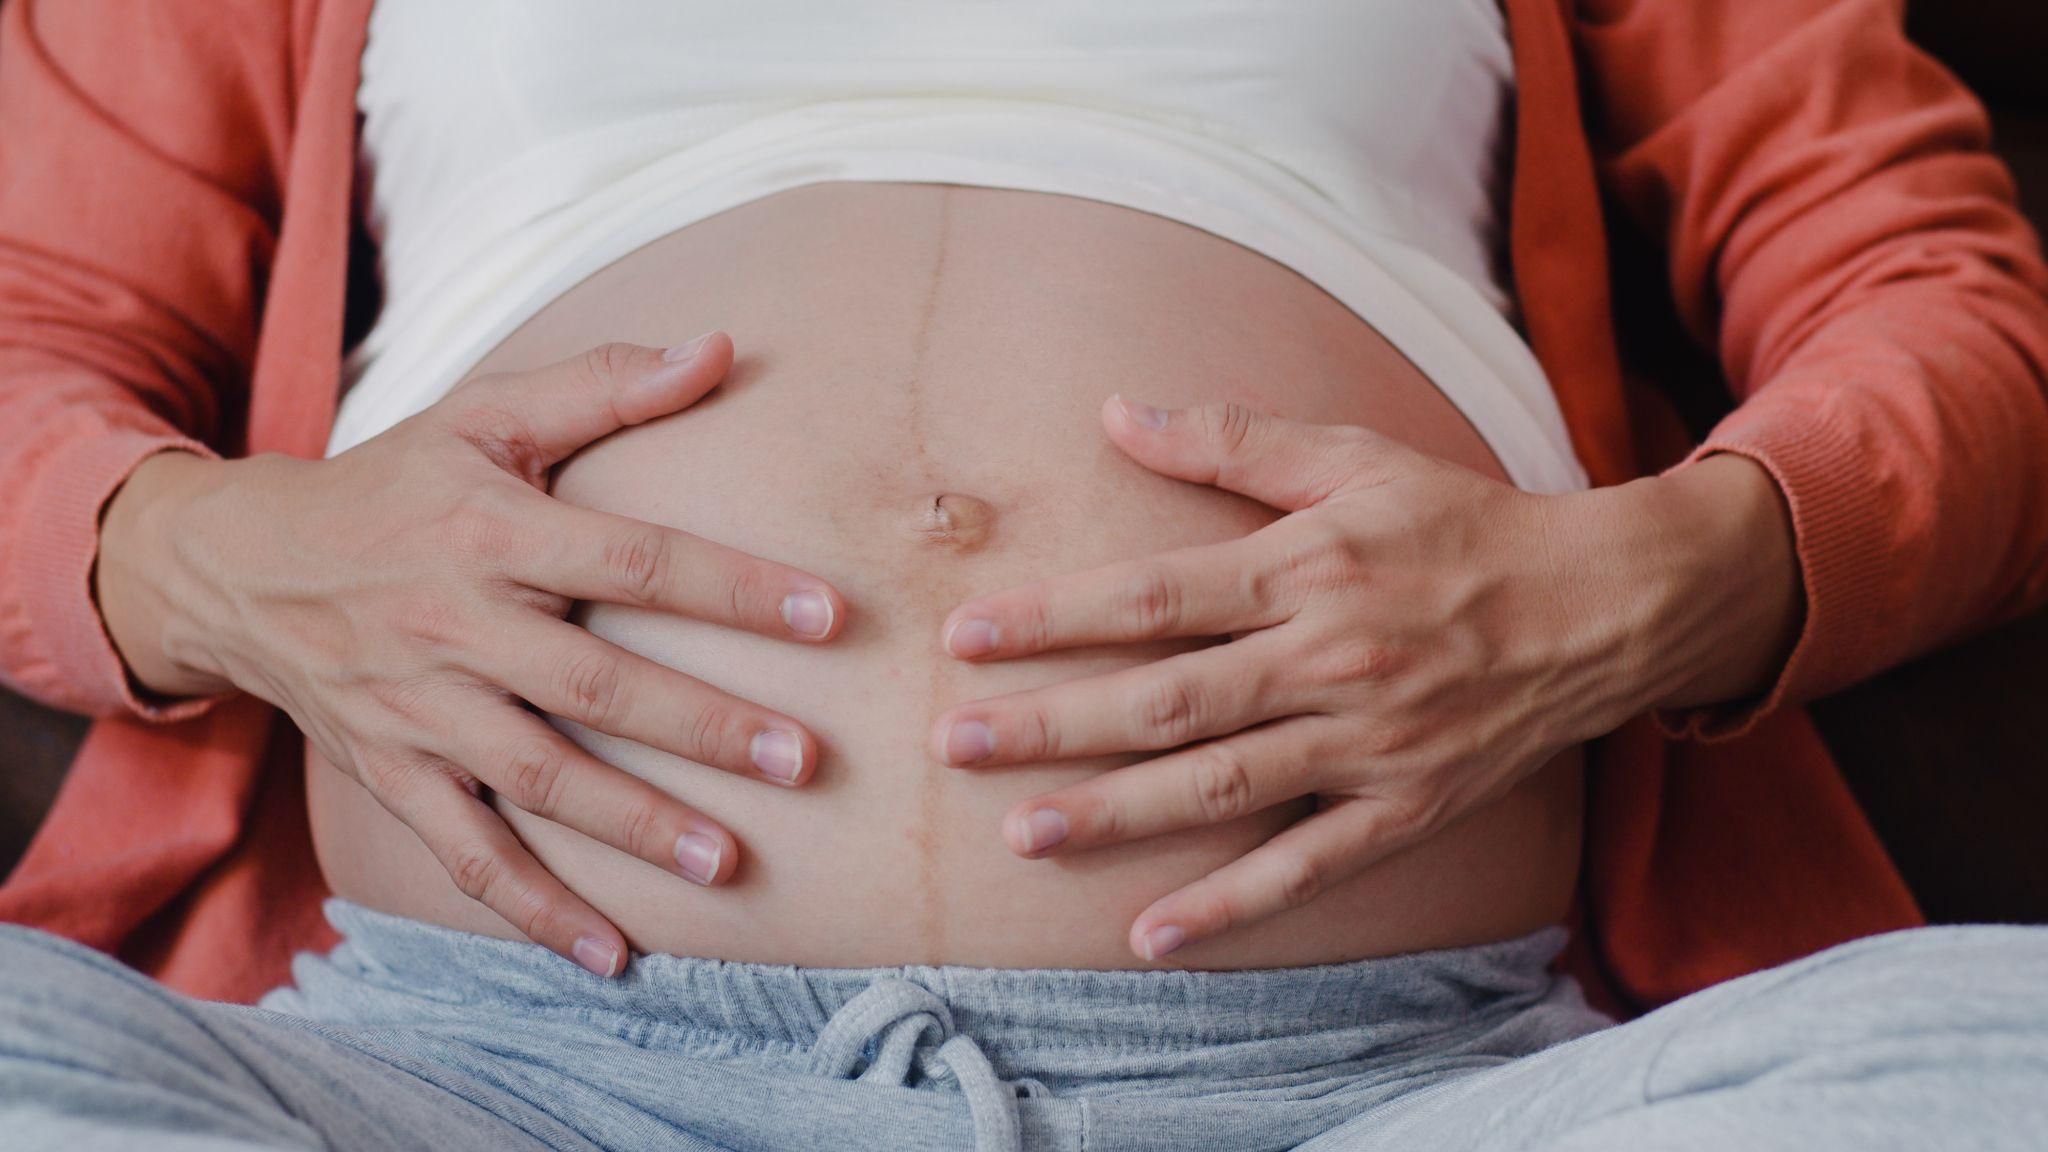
x=588 y=555
x=1208 y=590
x=527 y=422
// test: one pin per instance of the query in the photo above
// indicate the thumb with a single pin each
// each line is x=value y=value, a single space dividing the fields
x=531 y=421
x=1285 y=463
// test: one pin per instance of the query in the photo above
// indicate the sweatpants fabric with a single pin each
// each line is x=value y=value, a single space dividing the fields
x=410 y=1036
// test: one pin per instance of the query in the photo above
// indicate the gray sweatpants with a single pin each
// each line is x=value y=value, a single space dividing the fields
x=412 y=1036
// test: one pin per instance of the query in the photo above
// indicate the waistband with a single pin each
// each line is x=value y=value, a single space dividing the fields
x=1377 y=1001
x=1004 y=1039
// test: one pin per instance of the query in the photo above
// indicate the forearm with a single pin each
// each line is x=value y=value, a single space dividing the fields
x=136 y=229
x=1852 y=248
x=68 y=442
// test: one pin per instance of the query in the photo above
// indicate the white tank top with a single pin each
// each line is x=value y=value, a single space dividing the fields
x=513 y=149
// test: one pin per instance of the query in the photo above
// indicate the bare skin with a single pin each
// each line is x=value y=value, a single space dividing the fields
x=1271 y=670
x=913 y=418
x=403 y=601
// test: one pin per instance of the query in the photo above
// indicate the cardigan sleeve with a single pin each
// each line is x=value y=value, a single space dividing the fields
x=140 y=178
x=1839 y=231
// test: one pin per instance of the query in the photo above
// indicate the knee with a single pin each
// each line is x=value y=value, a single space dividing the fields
x=36 y=967
x=31 y=961
x=61 y=1001
x=1929 y=998
x=1943 y=973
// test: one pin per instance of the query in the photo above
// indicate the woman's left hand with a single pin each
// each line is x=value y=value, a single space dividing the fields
x=1407 y=643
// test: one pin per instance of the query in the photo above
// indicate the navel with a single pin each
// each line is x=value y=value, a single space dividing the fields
x=954 y=520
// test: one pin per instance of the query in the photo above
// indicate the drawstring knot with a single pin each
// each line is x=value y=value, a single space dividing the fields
x=902 y=1014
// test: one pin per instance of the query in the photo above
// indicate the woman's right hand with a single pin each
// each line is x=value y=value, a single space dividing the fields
x=404 y=601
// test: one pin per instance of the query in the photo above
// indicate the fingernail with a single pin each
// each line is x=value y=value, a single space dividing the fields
x=697 y=855
x=1043 y=828
x=1142 y=413
x=596 y=955
x=968 y=741
x=778 y=752
x=971 y=638
x=807 y=613
x=1161 y=940
x=686 y=350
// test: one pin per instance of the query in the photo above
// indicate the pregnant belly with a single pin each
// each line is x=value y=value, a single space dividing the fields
x=901 y=346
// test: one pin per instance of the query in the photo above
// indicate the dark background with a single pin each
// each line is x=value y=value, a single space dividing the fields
x=1949 y=755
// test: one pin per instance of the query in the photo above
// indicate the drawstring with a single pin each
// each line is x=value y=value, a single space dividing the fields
x=901 y=1013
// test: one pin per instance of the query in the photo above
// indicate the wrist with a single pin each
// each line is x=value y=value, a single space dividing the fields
x=135 y=573
x=1720 y=582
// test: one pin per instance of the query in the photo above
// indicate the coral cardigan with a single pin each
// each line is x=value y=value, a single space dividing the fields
x=175 y=229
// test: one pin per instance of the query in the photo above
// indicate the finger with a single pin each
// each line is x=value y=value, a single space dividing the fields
x=1208 y=590
x=565 y=671
x=1288 y=464
x=527 y=422
x=490 y=866
x=1292 y=868
x=587 y=555
x=1162 y=704
x=543 y=772
x=1211 y=783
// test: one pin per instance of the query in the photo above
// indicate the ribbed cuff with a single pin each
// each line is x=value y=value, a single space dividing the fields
x=60 y=548
x=1838 y=528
